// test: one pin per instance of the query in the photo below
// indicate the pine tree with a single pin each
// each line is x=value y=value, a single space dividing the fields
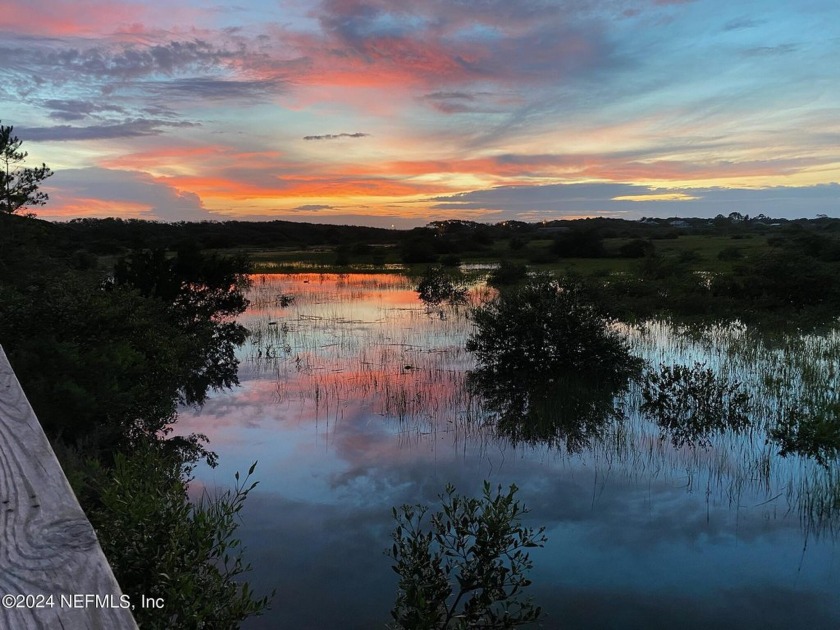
x=18 y=184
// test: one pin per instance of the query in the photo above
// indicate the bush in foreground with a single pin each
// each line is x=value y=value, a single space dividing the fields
x=468 y=569
x=161 y=545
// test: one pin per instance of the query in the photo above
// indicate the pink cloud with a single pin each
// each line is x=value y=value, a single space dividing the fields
x=68 y=17
x=86 y=18
x=369 y=44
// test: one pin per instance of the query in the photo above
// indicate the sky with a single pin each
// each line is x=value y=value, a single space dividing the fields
x=377 y=112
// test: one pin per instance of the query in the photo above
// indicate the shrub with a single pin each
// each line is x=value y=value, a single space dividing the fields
x=507 y=273
x=543 y=330
x=690 y=403
x=163 y=546
x=468 y=569
x=436 y=286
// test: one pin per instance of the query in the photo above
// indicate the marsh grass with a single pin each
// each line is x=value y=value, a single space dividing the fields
x=365 y=346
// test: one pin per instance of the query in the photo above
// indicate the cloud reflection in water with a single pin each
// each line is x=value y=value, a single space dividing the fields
x=641 y=534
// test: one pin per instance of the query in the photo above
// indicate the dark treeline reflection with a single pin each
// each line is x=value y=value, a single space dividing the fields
x=810 y=430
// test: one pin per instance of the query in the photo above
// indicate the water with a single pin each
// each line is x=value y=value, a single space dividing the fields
x=353 y=401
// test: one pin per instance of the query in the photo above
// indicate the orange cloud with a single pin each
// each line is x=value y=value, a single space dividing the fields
x=70 y=208
x=496 y=166
x=375 y=61
x=179 y=159
x=605 y=168
x=291 y=188
x=241 y=182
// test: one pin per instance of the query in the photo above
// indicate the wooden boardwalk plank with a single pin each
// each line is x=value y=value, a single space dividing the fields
x=47 y=545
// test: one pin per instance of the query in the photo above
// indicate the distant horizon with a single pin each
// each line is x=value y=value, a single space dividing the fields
x=764 y=217
x=368 y=112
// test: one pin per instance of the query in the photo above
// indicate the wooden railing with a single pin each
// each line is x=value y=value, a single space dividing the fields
x=53 y=573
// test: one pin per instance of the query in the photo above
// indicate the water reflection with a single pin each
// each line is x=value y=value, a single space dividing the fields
x=811 y=431
x=642 y=533
x=691 y=403
x=568 y=412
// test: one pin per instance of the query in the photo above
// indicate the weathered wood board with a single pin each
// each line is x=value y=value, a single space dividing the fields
x=53 y=573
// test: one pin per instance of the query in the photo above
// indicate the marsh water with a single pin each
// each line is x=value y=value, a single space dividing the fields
x=353 y=399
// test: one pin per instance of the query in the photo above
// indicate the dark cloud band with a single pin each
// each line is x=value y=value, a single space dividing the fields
x=336 y=136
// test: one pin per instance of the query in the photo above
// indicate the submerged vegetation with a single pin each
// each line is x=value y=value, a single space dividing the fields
x=438 y=287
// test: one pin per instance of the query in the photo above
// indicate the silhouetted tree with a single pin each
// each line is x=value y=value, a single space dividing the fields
x=437 y=286
x=203 y=295
x=18 y=184
x=547 y=330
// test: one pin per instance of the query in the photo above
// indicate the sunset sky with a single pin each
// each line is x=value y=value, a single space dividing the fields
x=387 y=113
